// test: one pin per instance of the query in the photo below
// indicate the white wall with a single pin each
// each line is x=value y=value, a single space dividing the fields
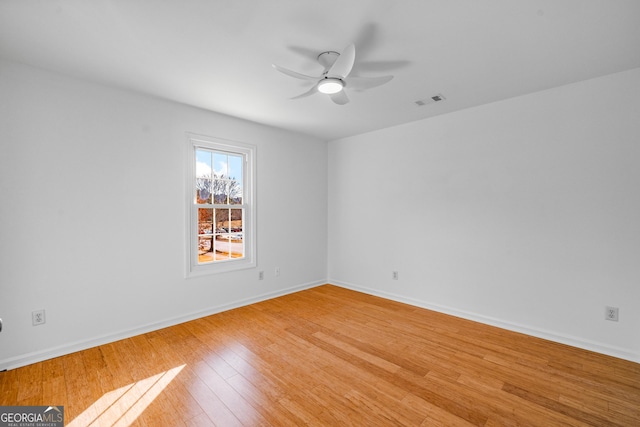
x=523 y=213
x=92 y=214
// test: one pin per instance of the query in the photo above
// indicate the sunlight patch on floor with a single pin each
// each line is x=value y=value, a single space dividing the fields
x=121 y=407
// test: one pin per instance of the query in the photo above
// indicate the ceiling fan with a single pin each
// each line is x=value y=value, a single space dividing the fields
x=335 y=78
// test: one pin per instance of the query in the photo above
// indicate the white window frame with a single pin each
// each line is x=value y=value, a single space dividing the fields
x=248 y=152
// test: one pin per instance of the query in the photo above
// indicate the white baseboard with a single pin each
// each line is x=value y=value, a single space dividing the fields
x=50 y=353
x=620 y=353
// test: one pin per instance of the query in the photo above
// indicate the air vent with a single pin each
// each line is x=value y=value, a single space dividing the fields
x=431 y=100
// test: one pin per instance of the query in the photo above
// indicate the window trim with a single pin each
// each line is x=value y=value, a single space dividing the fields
x=248 y=152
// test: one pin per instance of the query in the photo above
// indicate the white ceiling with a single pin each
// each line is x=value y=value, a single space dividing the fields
x=217 y=54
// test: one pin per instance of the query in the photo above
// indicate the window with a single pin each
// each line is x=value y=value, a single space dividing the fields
x=221 y=211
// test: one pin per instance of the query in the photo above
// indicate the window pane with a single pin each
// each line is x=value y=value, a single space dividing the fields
x=205 y=221
x=235 y=192
x=205 y=249
x=236 y=220
x=235 y=180
x=235 y=166
x=222 y=220
x=203 y=176
x=220 y=190
x=220 y=165
x=203 y=190
x=203 y=164
x=236 y=235
x=222 y=247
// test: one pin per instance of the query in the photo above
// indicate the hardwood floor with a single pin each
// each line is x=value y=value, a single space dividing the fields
x=331 y=356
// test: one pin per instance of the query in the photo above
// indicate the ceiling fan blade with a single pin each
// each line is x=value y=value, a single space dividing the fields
x=362 y=83
x=295 y=74
x=340 y=98
x=343 y=65
x=310 y=92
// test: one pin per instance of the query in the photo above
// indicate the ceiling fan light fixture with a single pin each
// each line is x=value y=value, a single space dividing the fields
x=330 y=86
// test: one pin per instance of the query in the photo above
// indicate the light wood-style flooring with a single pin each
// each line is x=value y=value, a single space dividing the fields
x=335 y=357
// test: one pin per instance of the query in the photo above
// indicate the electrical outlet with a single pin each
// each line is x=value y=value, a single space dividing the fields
x=260 y=275
x=394 y=275
x=277 y=271
x=37 y=317
x=611 y=313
